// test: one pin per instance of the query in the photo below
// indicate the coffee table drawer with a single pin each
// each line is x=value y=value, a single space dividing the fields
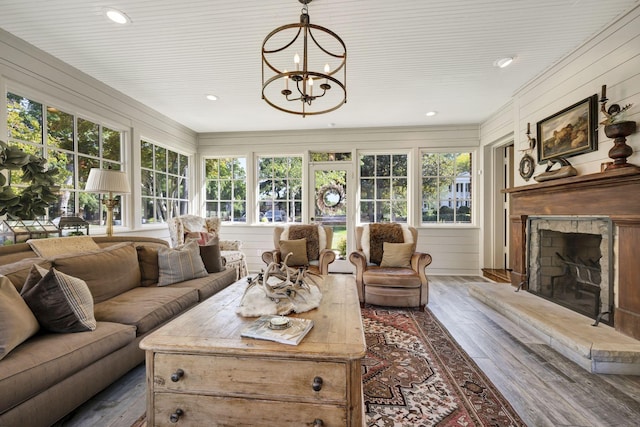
x=196 y=410
x=259 y=377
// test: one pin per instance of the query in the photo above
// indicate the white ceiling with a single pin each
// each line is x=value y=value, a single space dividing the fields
x=405 y=57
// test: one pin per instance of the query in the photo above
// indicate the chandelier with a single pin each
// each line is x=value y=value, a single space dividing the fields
x=305 y=90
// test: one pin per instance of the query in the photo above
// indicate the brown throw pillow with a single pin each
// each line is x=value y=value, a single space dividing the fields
x=148 y=260
x=309 y=232
x=180 y=264
x=298 y=250
x=211 y=258
x=17 y=322
x=60 y=302
x=396 y=254
x=380 y=233
x=18 y=271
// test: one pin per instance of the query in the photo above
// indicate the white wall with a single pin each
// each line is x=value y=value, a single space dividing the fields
x=29 y=72
x=455 y=250
x=611 y=58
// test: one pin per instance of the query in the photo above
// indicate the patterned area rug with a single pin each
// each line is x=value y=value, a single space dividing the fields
x=415 y=374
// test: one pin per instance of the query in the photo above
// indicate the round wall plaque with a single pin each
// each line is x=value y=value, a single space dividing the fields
x=527 y=166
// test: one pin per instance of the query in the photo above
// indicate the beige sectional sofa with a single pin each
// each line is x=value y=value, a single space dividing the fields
x=50 y=374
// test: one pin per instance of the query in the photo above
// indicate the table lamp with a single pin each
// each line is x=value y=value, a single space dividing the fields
x=108 y=181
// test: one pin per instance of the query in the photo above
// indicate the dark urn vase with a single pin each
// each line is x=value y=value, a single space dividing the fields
x=620 y=150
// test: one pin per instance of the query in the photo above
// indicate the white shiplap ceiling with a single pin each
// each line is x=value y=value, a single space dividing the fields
x=405 y=57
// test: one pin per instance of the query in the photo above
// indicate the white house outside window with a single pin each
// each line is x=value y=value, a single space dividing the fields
x=446 y=188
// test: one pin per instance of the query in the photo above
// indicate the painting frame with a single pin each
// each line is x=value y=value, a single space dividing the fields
x=569 y=132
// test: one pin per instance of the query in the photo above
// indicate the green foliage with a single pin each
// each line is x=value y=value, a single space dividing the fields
x=342 y=246
x=31 y=201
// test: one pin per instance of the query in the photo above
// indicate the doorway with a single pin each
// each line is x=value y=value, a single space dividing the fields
x=331 y=204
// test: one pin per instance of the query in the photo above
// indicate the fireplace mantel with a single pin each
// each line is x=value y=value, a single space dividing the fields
x=614 y=194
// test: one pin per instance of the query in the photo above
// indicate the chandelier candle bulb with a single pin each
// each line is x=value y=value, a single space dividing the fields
x=286 y=80
x=310 y=86
x=296 y=59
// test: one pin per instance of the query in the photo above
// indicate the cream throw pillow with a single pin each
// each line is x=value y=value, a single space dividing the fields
x=298 y=250
x=55 y=246
x=17 y=322
x=396 y=254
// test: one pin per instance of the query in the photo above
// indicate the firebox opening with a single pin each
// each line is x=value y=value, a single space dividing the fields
x=571 y=267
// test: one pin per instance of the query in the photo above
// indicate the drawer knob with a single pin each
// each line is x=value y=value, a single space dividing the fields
x=175 y=377
x=317 y=385
x=317 y=422
x=176 y=416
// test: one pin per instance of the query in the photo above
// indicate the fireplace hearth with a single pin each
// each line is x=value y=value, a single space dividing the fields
x=609 y=195
x=570 y=263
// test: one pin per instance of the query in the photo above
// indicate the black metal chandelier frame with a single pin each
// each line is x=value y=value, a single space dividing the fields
x=304 y=79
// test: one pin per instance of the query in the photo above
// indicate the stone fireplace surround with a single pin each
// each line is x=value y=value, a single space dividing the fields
x=613 y=194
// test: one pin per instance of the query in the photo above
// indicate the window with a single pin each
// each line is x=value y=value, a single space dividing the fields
x=383 y=188
x=226 y=188
x=70 y=144
x=280 y=189
x=165 y=183
x=446 y=188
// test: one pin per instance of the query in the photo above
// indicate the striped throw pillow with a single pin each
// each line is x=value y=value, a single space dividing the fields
x=180 y=264
x=60 y=302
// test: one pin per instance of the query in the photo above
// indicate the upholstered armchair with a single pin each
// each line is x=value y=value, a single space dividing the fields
x=313 y=251
x=389 y=271
x=186 y=227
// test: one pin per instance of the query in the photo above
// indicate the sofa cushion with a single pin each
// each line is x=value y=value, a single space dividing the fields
x=60 y=302
x=49 y=248
x=148 y=261
x=210 y=285
x=18 y=271
x=46 y=359
x=179 y=264
x=396 y=254
x=391 y=277
x=210 y=254
x=108 y=272
x=17 y=322
x=146 y=308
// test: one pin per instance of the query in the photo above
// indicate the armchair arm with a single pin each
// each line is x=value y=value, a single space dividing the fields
x=359 y=260
x=327 y=256
x=419 y=262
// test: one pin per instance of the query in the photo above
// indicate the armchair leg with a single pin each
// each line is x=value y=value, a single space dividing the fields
x=422 y=307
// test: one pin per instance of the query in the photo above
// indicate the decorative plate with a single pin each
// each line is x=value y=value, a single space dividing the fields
x=527 y=166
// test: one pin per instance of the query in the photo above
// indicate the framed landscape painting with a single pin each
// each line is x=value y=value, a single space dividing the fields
x=569 y=132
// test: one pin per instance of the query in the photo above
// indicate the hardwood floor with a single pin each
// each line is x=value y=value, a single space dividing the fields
x=545 y=388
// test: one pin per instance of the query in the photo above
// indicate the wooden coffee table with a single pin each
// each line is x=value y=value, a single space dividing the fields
x=201 y=372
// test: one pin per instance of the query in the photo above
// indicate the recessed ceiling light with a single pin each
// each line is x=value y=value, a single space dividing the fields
x=431 y=113
x=212 y=97
x=117 y=16
x=503 y=62
x=331 y=125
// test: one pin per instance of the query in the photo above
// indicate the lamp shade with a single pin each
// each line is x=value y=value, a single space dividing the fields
x=107 y=181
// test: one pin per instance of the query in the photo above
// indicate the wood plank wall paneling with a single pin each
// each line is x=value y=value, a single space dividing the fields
x=611 y=58
x=454 y=251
